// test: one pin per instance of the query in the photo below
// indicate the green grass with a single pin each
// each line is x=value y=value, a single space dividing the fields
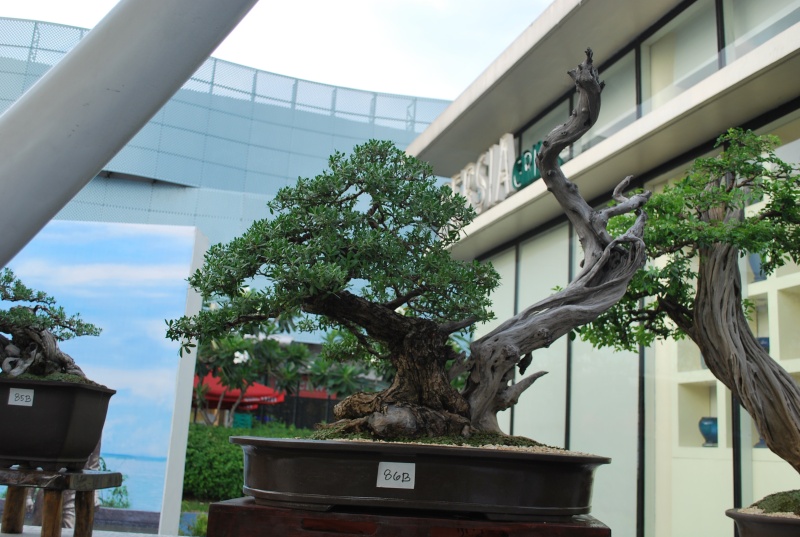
x=194 y=506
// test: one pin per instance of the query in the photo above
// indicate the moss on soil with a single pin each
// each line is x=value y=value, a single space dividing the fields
x=53 y=377
x=781 y=502
x=475 y=440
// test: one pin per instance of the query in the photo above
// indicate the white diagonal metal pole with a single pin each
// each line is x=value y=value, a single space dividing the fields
x=66 y=127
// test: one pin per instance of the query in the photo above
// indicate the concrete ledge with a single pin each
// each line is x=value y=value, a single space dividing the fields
x=112 y=521
x=35 y=531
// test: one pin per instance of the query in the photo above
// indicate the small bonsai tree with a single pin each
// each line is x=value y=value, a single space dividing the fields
x=699 y=229
x=35 y=325
x=364 y=248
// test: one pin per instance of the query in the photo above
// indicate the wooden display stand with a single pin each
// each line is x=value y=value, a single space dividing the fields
x=244 y=518
x=84 y=484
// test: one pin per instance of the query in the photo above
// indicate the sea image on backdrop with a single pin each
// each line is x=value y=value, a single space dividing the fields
x=126 y=279
x=143 y=477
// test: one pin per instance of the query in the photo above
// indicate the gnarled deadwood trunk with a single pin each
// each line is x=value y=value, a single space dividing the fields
x=35 y=352
x=717 y=324
x=733 y=355
x=608 y=266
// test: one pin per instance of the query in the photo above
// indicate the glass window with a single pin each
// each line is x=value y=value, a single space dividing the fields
x=618 y=107
x=503 y=296
x=525 y=169
x=749 y=24
x=503 y=304
x=537 y=132
x=680 y=55
x=544 y=265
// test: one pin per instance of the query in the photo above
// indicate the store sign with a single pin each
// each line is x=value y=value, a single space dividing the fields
x=497 y=174
x=488 y=181
x=526 y=168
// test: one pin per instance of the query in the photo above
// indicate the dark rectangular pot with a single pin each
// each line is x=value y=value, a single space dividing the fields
x=321 y=474
x=50 y=425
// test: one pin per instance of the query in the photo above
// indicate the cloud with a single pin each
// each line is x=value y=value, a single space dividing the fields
x=71 y=232
x=156 y=330
x=155 y=386
x=103 y=274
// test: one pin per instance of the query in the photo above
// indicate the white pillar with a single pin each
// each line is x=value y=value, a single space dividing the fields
x=181 y=414
x=63 y=130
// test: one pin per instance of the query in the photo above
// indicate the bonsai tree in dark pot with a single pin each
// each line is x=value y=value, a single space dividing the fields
x=35 y=324
x=363 y=248
x=52 y=415
x=699 y=229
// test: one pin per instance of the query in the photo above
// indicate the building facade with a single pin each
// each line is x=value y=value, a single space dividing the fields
x=678 y=74
x=223 y=145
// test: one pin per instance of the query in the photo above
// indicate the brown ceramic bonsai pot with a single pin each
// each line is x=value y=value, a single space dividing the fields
x=755 y=525
x=50 y=425
x=320 y=474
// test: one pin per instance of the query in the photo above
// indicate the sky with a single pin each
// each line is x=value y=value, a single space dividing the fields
x=425 y=48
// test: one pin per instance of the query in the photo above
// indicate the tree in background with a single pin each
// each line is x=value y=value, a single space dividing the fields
x=343 y=378
x=698 y=230
x=240 y=359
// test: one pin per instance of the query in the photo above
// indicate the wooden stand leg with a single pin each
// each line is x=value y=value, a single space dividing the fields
x=84 y=513
x=51 y=517
x=14 y=511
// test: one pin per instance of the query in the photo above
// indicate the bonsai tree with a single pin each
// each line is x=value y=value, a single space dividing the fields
x=364 y=248
x=699 y=229
x=31 y=328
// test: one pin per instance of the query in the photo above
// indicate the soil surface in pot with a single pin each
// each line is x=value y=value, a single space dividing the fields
x=776 y=515
x=751 y=524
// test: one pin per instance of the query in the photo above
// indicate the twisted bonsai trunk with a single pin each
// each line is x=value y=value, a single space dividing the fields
x=420 y=401
x=608 y=266
x=35 y=352
x=733 y=355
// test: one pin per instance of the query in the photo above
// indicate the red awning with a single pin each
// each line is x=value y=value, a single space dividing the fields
x=256 y=394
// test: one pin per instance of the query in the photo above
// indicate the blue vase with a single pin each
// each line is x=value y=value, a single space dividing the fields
x=755 y=266
x=708 y=428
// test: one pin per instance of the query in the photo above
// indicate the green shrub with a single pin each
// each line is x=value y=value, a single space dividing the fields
x=116 y=497
x=214 y=467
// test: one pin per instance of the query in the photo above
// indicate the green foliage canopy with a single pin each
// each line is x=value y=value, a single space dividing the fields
x=37 y=311
x=375 y=224
x=746 y=172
